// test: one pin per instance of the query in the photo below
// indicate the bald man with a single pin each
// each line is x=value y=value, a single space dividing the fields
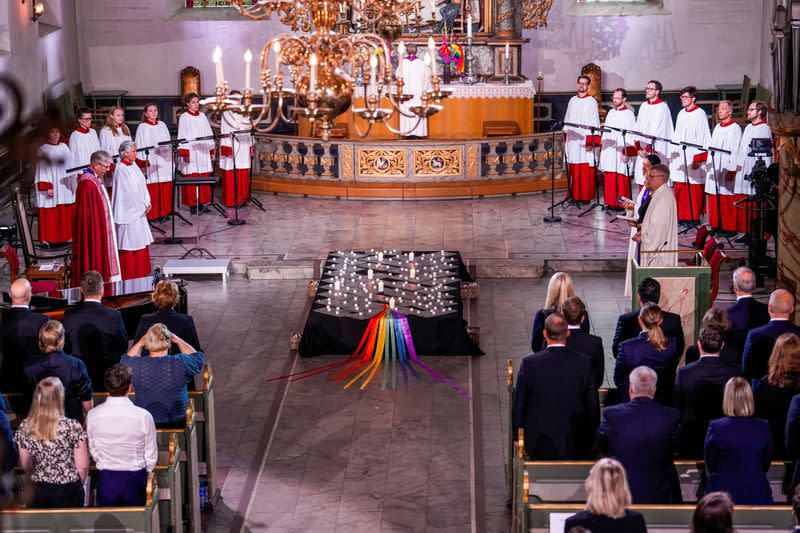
x=759 y=343
x=19 y=336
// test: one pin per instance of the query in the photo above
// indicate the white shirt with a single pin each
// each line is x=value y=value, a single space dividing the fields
x=122 y=437
x=111 y=142
x=82 y=144
x=243 y=141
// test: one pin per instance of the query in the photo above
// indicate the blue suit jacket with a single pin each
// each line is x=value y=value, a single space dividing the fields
x=638 y=352
x=738 y=451
x=758 y=347
x=643 y=436
x=745 y=314
x=537 y=333
x=793 y=437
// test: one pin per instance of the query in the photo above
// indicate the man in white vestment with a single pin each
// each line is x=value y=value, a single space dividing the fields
x=156 y=163
x=83 y=141
x=659 y=228
x=416 y=80
x=130 y=203
x=197 y=157
x=235 y=158
x=580 y=143
x=727 y=135
x=55 y=190
x=691 y=126
x=757 y=129
x=612 y=156
x=654 y=119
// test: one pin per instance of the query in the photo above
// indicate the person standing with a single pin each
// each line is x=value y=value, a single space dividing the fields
x=113 y=134
x=156 y=163
x=760 y=341
x=756 y=129
x=637 y=208
x=196 y=157
x=579 y=142
x=235 y=158
x=94 y=242
x=55 y=190
x=746 y=313
x=688 y=166
x=654 y=119
x=726 y=135
x=659 y=228
x=613 y=155
x=130 y=202
x=83 y=141
x=416 y=80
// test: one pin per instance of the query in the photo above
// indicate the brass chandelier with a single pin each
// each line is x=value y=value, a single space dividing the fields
x=328 y=67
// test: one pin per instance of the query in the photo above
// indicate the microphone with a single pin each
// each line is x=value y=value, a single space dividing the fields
x=557 y=124
x=657 y=250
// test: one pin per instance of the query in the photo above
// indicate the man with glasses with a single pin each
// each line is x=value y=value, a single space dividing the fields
x=690 y=127
x=655 y=119
x=83 y=142
x=756 y=129
x=94 y=240
x=579 y=142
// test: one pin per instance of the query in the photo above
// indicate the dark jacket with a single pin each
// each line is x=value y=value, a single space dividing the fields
x=632 y=522
x=628 y=328
x=73 y=375
x=178 y=323
x=637 y=352
x=738 y=451
x=699 y=388
x=19 y=340
x=772 y=404
x=592 y=346
x=556 y=402
x=643 y=436
x=793 y=438
x=745 y=314
x=730 y=353
x=758 y=347
x=537 y=336
x=96 y=335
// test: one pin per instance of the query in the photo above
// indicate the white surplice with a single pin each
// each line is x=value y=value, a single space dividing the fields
x=190 y=127
x=653 y=119
x=242 y=141
x=51 y=167
x=160 y=159
x=613 y=145
x=83 y=143
x=417 y=79
x=691 y=127
x=110 y=142
x=660 y=229
x=581 y=110
x=746 y=163
x=727 y=137
x=130 y=202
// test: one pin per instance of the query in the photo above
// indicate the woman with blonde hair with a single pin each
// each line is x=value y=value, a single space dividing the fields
x=607 y=500
x=115 y=131
x=652 y=349
x=773 y=393
x=559 y=289
x=166 y=297
x=53 y=449
x=156 y=163
x=738 y=448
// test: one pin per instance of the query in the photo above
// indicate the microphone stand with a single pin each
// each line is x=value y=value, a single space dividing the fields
x=172 y=239
x=628 y=174
x=552 y=217
x=212 y=203
x=235 y=221
x=712 y=151
x=568 y=199
x=146 y=150
x=592 y=129
x=250 y=198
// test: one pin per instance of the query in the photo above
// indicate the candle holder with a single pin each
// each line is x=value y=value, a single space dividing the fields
x=506 y=70
x=469 y=71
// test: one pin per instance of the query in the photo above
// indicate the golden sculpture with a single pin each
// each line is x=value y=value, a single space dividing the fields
x=534 y=13
x=595 y=74
x=190 y=81
x=437 y=162
x=382 y=162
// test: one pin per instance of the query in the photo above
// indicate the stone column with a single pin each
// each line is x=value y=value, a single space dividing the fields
x=787 y=129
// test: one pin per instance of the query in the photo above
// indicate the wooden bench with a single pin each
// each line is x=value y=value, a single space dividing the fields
x=500 y=128
x=207 y=431
x=170 y=494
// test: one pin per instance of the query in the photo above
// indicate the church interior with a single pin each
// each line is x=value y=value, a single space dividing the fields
x=405 y=265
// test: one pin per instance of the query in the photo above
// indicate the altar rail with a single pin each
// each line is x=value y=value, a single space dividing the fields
x=408 y=169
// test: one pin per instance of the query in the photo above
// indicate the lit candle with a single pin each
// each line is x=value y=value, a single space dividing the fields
x=469 y=27
x=370 y=274
x=539 y=75
x=380 y=256
x=392 y=303
x=412 y=273
x=508 y=52
x=380 y=285
x=432 y=55
x=248 y=58
x=276 y=48
x=410 y=256
x=401 y=53
x=342 y=8
x=336 y=285
x=216 y=57
x=312 y=80
x=373 y=66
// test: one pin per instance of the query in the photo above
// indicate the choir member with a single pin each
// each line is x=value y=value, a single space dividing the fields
x=156 y=163
x=691 y=126
x=579 y=142
x=654 y=119
x=235 y=158
x=727 y=135
x=757 y=129
x=131 y=202
x=612 y=156
x=196 y=157
x=55 y=191
x=416 y=80
x=83 y=141
x=113 y=134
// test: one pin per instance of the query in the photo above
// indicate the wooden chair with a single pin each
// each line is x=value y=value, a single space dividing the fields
x=500 y=128
x=32 y=253
x=40 y=282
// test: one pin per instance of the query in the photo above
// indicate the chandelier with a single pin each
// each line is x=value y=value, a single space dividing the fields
x=328 y=67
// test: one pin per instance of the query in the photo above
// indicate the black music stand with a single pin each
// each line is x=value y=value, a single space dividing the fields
x=552 y=217
x=146 y=173
x=197 y=182
x=236 y=221
x=691 y=224
x=172 y=239
x=212 y=203
x=596 y=202
x=720 y=231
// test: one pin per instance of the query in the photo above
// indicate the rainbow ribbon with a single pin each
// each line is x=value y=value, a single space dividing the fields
x=386 y=343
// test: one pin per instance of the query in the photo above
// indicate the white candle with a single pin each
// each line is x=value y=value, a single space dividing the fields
x=380 y=285
x=410 y=256
x=508 y=52
x=469 y=26
x=380 y=256
x=369 y=273
x=539 y=74
x=412 y=273
x=216 y=57
x=373 y=67
x=312 y=80
x=336 y=285
x=392 y=303
x=401 y=53
x=248 y=58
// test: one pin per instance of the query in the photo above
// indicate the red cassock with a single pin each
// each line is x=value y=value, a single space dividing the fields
x=691 y=200
x=94 y=244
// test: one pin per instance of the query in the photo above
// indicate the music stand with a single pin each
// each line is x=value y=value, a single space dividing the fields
x=594 y=174
x=712 y=150
x=691 y=224
x=172 y=239
x=212 y=203
x=236 y=221
x=628 y=174
x=146 y=173
x=197 y=182
x=552 y=217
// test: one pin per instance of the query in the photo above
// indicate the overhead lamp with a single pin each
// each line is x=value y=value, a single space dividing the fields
x=37 y=10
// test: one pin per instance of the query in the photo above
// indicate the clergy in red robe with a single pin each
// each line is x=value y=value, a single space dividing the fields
x=235 y=158
x=196 y=157
x=130 y=202
x=156 y=163
x=688 y=165
x=94 y=241
x=579 y=142
x=55 y=190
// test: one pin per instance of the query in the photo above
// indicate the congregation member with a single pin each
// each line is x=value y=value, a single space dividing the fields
x=95 y=333
x=574 y=310
x=52 y=449
x=122 y=441
x=699 y=388
x=774 y=392
x=628 y=326
x=613 y=161
x=746 y=313
x=83 y=140
x=160 y=379
x=654 y=118
x=156 y=163
x=738 y=448
x=687 y=163
x=165 y=298
x=716 y=318
x=580 y=142
x=795 y=500
x=713 y=514
x=759 y=342
x=130 y=203
x=55 y=190
x=235 y=157
x=653 y=349
x=70 y=371
x=19 y=337
x=556 y=398
x=658 y=232
x=756 y=129
x=727 y=135
x=559 y=288
x=94 y=242
x=416 y=76
x=8 y=449
x=196 y=157
x=607 y=500
x=792 y=439
x=637 y=208
x=643 y=435
x=114 y=133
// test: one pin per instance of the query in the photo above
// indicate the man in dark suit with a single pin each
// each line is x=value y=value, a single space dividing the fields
x=573 y=310
x=643 y=436
x=628 y=323
x=747 y=313
x=19 y=337
x=793 y=438
x=95 y=333
x=759 y=343
x=699 y=388
x=555 y=400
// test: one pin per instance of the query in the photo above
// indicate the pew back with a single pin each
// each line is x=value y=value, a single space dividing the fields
x=170 y=493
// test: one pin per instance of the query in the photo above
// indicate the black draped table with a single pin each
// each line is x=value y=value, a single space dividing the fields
x=424 y=286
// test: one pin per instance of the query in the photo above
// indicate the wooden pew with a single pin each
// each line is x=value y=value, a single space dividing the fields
x=207 y=431
x=170 y=493
x=80 y=519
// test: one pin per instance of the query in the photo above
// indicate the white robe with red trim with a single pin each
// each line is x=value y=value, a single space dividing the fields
x=130 y=202
x=691 y=127
x=581 y=110
x=160 y=168
x=746 y=162
x=190 y=127
x=82 y=144
x=653 y=119
x=613 y=146
x=726 y=137
x=51 y=174
x=110 y=142
x=242 y=142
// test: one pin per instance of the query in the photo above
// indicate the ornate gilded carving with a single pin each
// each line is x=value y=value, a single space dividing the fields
x=534 y=13
x=190 y=81
x=472 y=161
x=437 y=161
x=346 y=158
x=381 y=162
x=595 y=74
